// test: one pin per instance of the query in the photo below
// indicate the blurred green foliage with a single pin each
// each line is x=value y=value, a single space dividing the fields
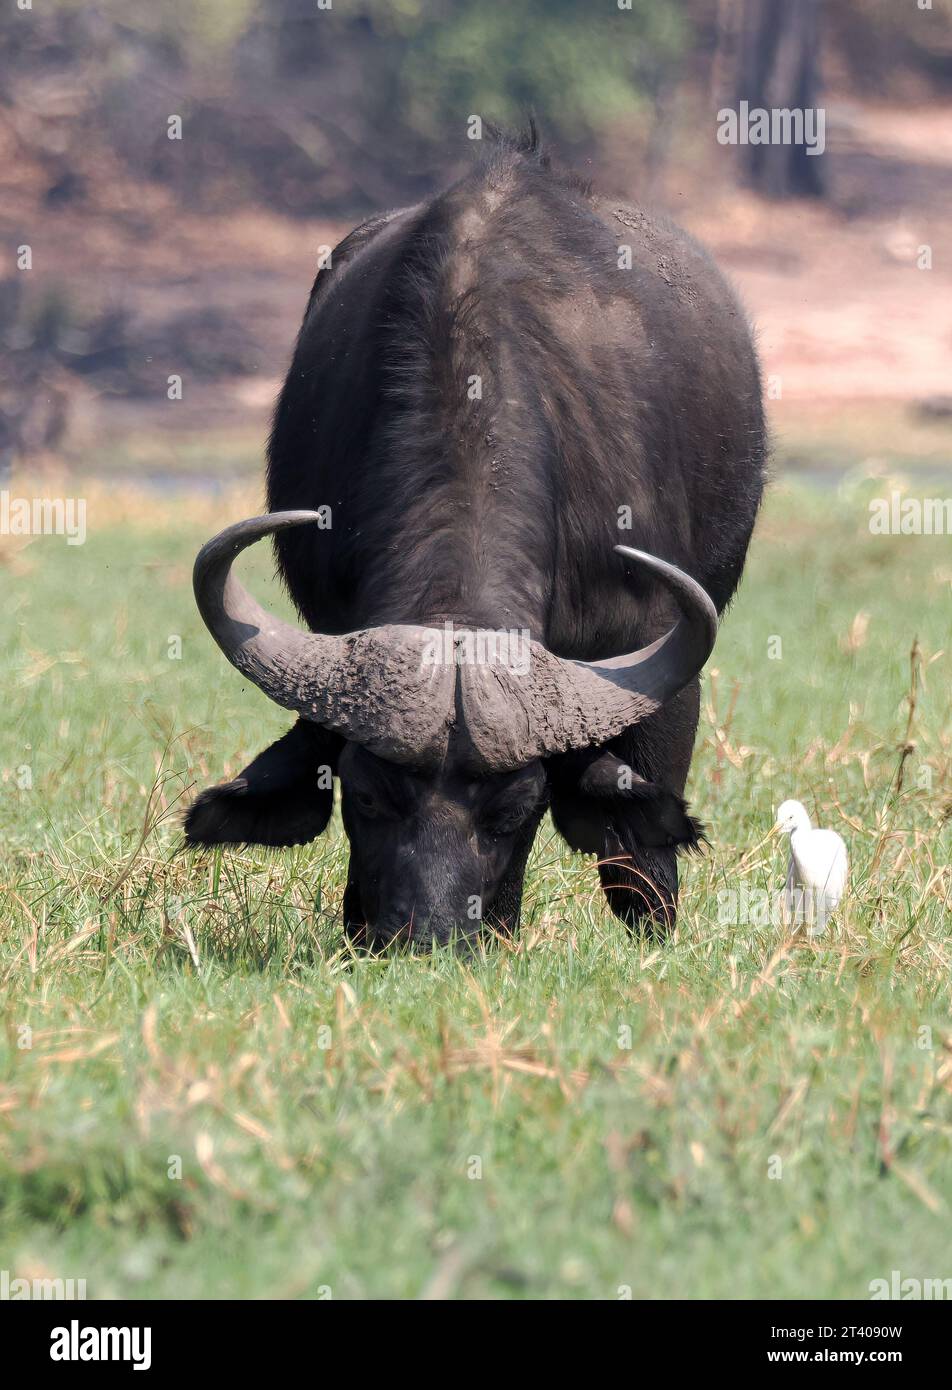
x=581 y=65
x=201 y=30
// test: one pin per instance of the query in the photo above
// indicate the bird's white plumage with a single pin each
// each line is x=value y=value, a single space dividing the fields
x=817 y=871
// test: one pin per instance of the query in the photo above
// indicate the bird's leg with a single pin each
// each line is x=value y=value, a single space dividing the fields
x=786 y=898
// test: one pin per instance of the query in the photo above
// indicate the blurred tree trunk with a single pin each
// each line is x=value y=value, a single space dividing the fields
x=779 y=67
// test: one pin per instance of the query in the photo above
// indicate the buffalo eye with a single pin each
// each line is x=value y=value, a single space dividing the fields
x=507 y=811
x=504 y=820
x=365 y=801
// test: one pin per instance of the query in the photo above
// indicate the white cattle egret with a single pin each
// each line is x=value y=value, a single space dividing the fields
x=817 y=872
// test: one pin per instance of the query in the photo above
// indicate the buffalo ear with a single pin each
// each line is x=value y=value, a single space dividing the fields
x=602 y=792
x=284 y=797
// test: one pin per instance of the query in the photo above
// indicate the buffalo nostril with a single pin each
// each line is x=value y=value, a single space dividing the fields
x=381 y=935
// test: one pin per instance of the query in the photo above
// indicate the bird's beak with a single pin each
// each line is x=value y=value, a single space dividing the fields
x=770 y=835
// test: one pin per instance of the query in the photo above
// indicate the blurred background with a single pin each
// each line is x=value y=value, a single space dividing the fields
x=130 y=257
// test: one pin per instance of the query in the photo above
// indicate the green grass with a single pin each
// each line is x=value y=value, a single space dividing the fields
x=627 y=1102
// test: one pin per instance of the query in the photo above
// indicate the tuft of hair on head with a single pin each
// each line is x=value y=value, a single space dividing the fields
x=525 y=141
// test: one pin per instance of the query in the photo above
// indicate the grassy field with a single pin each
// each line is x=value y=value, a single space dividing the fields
x=203 y=1094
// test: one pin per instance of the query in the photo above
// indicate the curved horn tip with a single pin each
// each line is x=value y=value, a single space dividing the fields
x=244 y=533
x=664 y=569
x=268 y=522
x=652 y=561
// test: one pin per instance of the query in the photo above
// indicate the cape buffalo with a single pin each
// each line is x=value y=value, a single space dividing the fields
x=533 y=418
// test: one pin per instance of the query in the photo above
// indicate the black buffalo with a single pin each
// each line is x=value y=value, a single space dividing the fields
x=490 y=393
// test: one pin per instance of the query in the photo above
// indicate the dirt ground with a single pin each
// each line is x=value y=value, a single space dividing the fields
x=855 y=337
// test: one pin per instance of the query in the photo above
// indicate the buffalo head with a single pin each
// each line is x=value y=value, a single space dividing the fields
x=442 y=740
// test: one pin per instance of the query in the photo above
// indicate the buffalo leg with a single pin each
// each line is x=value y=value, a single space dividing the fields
x=641 y=883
